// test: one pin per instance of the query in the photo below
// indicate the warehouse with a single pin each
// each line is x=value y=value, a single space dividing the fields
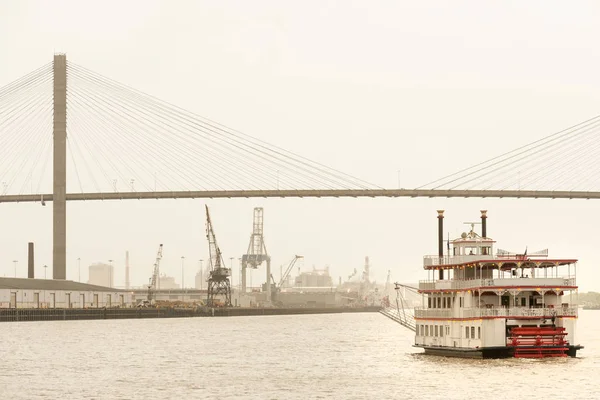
x=47 y=293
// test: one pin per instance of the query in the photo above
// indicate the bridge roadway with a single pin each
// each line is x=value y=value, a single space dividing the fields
x=213 y=194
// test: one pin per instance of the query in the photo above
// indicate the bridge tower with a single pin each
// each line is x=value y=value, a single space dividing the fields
x=257 y=251
x=59 y=199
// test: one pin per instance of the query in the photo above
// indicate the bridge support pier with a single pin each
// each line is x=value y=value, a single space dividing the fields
x=59 y=199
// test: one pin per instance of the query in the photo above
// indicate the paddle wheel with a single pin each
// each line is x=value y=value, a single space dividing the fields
x=538 y=342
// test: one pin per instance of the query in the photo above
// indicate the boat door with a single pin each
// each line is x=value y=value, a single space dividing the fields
x=505 y=301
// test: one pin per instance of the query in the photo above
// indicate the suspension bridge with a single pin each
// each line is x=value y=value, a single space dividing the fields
x=112 y=142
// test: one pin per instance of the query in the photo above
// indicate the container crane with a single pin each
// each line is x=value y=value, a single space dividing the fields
x=154 y=279
x=257 y=250
x=218 y=281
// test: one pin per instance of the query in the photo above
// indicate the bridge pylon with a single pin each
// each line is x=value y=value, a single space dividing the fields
x=59 y=198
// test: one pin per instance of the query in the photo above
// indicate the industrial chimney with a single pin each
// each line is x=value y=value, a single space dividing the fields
x=483 y=223
x=30 y=273
x=441 y=239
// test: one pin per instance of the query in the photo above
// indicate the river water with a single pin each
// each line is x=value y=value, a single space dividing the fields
x=337 y=356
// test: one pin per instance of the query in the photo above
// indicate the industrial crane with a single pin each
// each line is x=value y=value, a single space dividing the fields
x=155 y=277
x=284 y=276
x=257 y=250
x=218 y=281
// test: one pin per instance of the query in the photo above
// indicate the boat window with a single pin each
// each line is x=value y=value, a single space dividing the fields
x=429 y=302
x=467 y=332
x=439 y=302
x=478 y=332
x=473 y=332
x=436 y=331
x=426 y=330
x=441 y=331
x=422 y=330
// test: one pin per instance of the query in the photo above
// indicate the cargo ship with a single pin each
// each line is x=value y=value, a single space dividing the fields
x=479 y=302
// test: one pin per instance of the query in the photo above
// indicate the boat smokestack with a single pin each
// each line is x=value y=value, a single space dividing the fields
x=483 y=223
x=30 y=271
x=441 y=239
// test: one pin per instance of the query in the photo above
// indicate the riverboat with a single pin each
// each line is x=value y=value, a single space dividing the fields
x=479 y=302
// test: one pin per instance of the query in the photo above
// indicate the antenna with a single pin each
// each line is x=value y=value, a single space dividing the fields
x=472 y=224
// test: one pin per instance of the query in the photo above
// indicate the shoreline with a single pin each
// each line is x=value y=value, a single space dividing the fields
x=72 y=314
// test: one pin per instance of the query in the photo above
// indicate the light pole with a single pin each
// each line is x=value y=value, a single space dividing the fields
x=182 y=259
x=79 y=267
x=240 y=276
x=45 y=268
x=15 y=262
x=110 y=273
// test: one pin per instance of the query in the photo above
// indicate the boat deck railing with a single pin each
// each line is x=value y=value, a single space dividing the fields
x=402 y=316
x=435 y=260
x=475 y=312
x=458 y=284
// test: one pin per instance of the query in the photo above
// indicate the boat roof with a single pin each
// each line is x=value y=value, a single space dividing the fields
x=502 y=263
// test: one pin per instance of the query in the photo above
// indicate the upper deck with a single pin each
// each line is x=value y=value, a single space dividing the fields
x=474 y=250
x=505 y=262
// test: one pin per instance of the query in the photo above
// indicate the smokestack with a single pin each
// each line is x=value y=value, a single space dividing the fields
x=30 y=273
x=483 y=223
x=441 y=239
x=127 y=269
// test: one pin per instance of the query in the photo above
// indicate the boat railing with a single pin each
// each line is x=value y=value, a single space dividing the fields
x=459 y=284
x=421 y=312
x=433 y=260
x=475 y=312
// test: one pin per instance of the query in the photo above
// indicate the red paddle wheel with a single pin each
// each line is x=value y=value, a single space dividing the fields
x=535 y=342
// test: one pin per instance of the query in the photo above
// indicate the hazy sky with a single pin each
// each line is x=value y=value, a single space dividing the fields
x=370 y=88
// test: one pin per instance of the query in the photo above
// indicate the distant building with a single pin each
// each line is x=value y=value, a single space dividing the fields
x=167 y=282
x=314 y=278
x=101 y=275
x=200 y=281
x=48 y=293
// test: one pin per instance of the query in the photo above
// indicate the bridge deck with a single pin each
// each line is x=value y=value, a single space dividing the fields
x=532 y=194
